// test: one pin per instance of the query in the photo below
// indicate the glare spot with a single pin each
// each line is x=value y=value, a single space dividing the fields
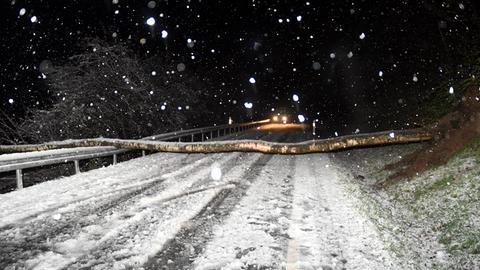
x=151 y=21
x=151 y=4
x=164 y=34
x=216 y=172
x=301 y=118
x=181 y=67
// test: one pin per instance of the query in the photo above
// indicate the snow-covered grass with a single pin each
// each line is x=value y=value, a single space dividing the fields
x=430 y=221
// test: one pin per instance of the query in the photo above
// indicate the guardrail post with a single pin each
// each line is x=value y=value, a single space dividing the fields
x=114 y=159
x=19 y=179
x=143 y=153
x=203 y=137
x=77 y=166
x=179 y=139
x=211 y=134
x=218 y=133
x=193 y=136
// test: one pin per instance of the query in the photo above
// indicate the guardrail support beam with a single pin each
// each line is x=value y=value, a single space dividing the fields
x=143 y=153
x=115 y=159
x=77 y=166
x=19 y=179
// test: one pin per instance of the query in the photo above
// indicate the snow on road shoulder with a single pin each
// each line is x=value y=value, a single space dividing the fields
x=254 y=235
x=326 y=229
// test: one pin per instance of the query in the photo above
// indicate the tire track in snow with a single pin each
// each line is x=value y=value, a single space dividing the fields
x=190 y=241
x=33 y=238
x=153 y=223
x=253 y=235
x=40 y=233
x=327 y=230
x=110 y=251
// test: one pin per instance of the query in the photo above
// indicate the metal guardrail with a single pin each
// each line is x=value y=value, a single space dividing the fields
x=189 y=135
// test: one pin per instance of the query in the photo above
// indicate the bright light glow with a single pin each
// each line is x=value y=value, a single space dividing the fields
x=164 y=34
x=248 y=105
x=284 y=119
x=151 y=21
x=216 y=172
x=301 y=118
x=295 y=97
x=275 y=118
x=252 y=80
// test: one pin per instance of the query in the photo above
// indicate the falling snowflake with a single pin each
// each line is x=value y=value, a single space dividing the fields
x=248 y=105
x=362 y=36
x=34 y=19
x=451 y=91
x=252 y=80
x=151 y=21
x=164 y=34
x=295 y=97
x=215 y=172
x=301 y=118
x=22 y=12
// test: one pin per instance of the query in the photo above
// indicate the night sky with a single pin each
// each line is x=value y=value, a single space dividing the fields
x=353 y=64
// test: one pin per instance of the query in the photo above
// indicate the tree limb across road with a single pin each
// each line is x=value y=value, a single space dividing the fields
x=312 y=146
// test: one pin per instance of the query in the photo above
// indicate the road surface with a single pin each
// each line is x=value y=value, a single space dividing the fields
x=196 y=211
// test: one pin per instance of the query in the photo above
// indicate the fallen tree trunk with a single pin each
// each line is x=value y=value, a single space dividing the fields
x=313 y=146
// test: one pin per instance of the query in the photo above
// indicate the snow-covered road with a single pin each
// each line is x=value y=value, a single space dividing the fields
x=177 y=211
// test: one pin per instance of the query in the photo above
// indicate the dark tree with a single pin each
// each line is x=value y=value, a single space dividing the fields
x=107 y=91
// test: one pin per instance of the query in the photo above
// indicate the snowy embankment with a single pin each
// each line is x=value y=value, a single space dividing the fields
x=430 y=221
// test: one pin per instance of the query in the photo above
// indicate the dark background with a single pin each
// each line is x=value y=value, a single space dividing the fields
x=403 y=39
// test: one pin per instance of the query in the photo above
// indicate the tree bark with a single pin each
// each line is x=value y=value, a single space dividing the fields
x=313 y=146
